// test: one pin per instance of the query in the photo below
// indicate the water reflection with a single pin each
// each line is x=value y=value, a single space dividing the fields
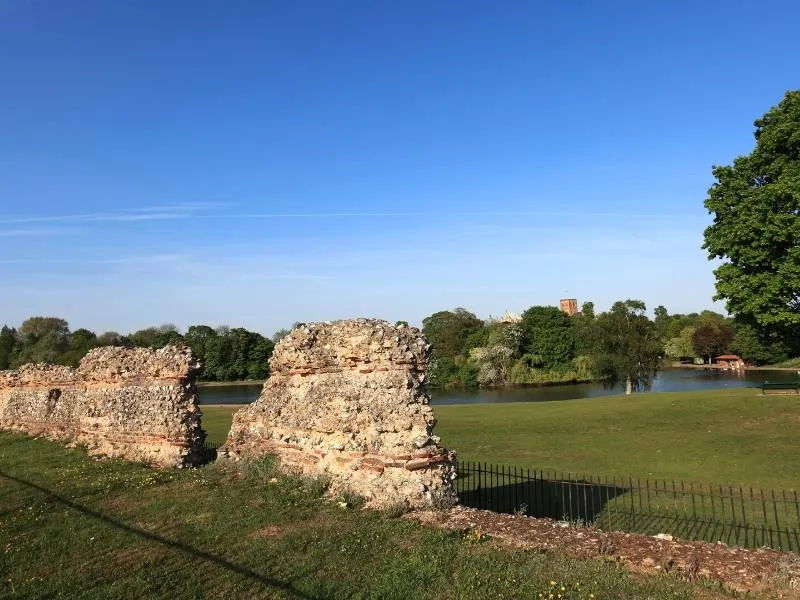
x=671 y=380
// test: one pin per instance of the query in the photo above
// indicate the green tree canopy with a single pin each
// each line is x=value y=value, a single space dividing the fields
x=34 y=328
x=756 y=229
x=43 y=340
x=547 y=334
x=627 y=348
x=681 y=346
x=748 y=344
x=448 y=331
x=79 y=343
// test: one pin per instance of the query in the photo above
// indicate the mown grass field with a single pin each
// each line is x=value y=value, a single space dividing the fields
x=727 y=437
x=74 y=527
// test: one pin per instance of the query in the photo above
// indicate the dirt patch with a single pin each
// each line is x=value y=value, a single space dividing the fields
x=738 y=569
x=269 y=531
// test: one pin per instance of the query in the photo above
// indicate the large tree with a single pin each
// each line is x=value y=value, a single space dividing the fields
x=448 y=331
x=43 y=340
x=627 y=348
x=547 y=336
x=711 y=338
x=756 y=229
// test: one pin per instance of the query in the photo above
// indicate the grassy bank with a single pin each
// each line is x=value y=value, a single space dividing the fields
x=75 y=527
x=227 y=383
x=712 y=436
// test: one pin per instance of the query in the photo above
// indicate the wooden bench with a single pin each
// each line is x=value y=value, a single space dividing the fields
x=782 y=386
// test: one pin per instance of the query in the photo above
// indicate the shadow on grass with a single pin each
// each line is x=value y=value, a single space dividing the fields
x=559 y=500
x=688 y=514
x=196 y=553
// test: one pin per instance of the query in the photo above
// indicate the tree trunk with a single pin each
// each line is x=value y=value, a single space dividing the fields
x=628 y=387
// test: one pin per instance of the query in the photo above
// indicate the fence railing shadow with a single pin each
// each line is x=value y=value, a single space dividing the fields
x=733 y=515
x=561 y=500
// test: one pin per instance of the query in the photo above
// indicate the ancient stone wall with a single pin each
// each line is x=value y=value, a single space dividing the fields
x=138 y=404
x=348 y=399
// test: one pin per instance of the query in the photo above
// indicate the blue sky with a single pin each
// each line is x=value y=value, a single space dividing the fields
x=259 y=163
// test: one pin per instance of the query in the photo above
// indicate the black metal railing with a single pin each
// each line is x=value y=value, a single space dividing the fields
x=210 y=451
x=734 y=515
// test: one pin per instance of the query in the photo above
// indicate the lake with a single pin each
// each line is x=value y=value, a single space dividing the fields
x=670 y=380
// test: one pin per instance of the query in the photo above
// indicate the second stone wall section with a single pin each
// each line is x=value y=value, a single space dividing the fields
x=348 y=399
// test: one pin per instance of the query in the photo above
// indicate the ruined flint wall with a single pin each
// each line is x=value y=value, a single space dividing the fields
x=348 y=399
x=138 y=404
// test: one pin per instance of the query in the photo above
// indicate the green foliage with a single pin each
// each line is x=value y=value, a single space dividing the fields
x=584 y=367
x=35 y=328
x=80 y=342
x=756 y=229
x=350 y=499
x=547 y=333
x=677 y=323
x=448 y=331
x=681 y=346
x=467 y=375
x=661 y=323
x=521 y=373
x=627 y=349
x=8 y=344
x=231 y=354
x=227 y=354
x=442 y=372
x=583 y=331
x=452 y=334
x=156 y=337
x=42 y=340
x=748 y=344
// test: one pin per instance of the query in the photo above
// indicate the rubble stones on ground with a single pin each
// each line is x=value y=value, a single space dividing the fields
x=133 y=403
x=348 y=399
x=742 y=570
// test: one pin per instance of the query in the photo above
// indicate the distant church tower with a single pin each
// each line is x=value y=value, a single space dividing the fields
x=569 y=306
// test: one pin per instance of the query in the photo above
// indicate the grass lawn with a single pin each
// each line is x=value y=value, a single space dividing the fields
x=217 y=422
x=75 y=527
x=734 y=437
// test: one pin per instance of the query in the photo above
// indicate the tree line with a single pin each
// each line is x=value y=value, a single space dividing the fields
x=622 y=345
x=227 y=354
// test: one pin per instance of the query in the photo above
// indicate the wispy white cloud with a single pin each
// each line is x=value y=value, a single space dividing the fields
x=145 y=213
x=207 y=210
x=388 y=215
x=144 y=259
x=43 y=232
x=98 y=217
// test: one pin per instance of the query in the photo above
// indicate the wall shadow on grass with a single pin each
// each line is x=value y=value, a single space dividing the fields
x=186 y=549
